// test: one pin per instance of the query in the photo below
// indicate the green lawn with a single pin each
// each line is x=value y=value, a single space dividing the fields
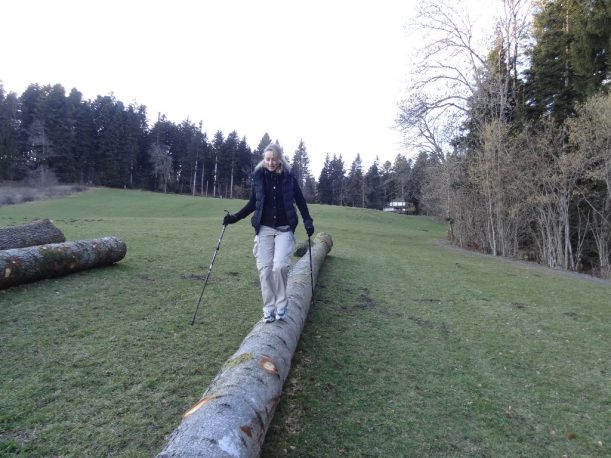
x=411 y=349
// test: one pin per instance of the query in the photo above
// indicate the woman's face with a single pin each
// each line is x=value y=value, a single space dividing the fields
x=270 y=161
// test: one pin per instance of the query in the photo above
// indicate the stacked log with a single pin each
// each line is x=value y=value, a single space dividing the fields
x=35 y=233
x=232 y=417
x=23 y=265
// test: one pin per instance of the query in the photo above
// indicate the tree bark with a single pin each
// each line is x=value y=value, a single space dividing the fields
x=35 y=233
x=232 y=417
x=23 y=265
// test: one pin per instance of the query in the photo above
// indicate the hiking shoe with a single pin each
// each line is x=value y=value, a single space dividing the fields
x=269 y=317
x=280 y=314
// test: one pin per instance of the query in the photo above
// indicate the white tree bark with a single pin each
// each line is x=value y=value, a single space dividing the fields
x=232 y=417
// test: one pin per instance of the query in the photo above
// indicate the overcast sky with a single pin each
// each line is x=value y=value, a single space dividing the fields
x=328 y=72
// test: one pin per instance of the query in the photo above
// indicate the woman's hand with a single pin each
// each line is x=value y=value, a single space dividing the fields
x=229 y=219
x=309 y=227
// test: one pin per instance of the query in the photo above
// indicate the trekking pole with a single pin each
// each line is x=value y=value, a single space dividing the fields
x=218 y=246
x=311 y=274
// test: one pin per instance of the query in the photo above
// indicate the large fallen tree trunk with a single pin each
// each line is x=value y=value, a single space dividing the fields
x=23 y=265
x=232 y=417
x=35 y=233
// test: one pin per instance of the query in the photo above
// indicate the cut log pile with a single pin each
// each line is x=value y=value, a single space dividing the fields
x=232 y=417
x=29 y=253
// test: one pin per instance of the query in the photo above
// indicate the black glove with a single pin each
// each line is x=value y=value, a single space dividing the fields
x=229 y=219
x=309 y=227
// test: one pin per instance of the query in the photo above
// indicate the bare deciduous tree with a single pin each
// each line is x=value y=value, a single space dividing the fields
x=446 y=74
x=161 y=160
x=590 y=133
x=551 y=173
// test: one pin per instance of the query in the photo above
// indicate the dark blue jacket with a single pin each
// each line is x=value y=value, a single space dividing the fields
x=261 y=200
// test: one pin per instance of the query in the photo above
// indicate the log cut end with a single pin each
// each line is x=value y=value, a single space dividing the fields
x=325 y=239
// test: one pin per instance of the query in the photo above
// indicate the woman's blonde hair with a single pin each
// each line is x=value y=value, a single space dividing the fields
x=279 y=154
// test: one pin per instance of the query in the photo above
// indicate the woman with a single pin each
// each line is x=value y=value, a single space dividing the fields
x=274 y=192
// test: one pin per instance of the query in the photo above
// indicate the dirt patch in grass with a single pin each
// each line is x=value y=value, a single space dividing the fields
x=20 y=437
x=364 y=300
x=196 y=277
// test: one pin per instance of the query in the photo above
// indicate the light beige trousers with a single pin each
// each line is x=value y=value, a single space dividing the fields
x=273 y=250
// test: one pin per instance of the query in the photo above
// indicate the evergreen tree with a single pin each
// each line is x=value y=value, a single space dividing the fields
x=301 y=170
x=325 y=192
x=244 y=168
x=300 y=163
x=39 y=149
x=416 y=181
x=135 y=143
x=59 y=125
x=388 y=182
x=310 y=190
x=374 y=194
x=186 y=151
x=205 y=163
x=11 y=159
x=217 y=150
x=231 y=164
x=355 y=184
x=257 y=154
x=401 y=172
x=570 y=60
x=337 y=177
x=84 y=141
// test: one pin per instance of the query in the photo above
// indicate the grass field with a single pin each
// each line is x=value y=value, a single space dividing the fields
x=411 y=349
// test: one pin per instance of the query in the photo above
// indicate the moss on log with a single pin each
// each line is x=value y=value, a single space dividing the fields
x=232 y=417
x=23 y=265
x=38 y=232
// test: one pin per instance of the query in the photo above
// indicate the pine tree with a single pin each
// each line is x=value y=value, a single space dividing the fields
x=84 y=143
x=300 y=168
x=244 y=169
x=310 y=189
x=11 y=160
x=416 y=181
x=388 y=183
x=401 y=172
x=257 y=154
x=230 y=152
x=298 y=165
x=337 y=176
x=355 y=184
x=40 y=149
x=570 y=60
x=217 y=150
x=373 y=180
x=325 y=192
x=186 y=152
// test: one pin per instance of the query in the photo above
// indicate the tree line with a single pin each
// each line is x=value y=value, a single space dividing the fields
x=104 y=142
x=518 y=138
x=47 y=135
